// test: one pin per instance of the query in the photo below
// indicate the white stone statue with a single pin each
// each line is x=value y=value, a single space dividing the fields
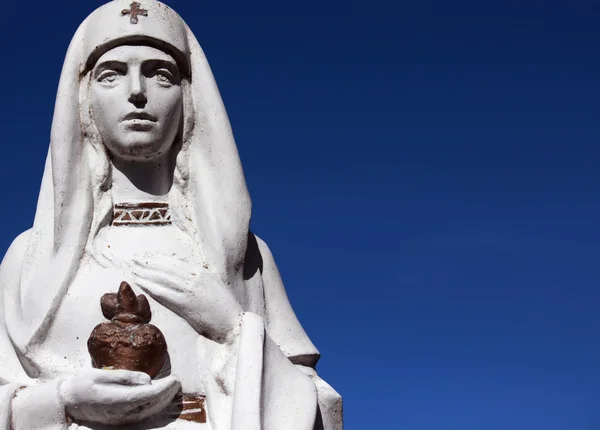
x=143 y=184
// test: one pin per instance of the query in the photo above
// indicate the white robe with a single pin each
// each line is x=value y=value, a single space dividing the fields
x=271 y=368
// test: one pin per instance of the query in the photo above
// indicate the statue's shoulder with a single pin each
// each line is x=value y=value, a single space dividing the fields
x=254 y=261
x=262 y=246
x=258 y=255
x=16 y=251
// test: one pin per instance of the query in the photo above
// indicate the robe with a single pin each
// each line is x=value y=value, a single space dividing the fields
x=272 y=364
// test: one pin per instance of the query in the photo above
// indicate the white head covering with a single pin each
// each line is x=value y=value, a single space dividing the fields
x=68 y=205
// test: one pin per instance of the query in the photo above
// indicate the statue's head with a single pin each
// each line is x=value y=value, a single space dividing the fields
x=137 y=56
x=136 y=101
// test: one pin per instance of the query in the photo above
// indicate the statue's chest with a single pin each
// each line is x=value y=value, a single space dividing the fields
x=65 y=346
x=122 y=244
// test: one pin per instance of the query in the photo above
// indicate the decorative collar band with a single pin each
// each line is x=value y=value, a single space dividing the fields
x=134 y=214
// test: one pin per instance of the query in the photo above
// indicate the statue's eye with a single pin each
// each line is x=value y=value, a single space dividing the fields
x=108 y=77
x=164 y=77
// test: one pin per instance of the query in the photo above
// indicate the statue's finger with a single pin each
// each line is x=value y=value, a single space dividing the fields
x=153 y=273
x=174 y=272
x=163 y=294
x=165 y=389
x=121 y=377
x=115 y=393
x=154 y=289
x=158 y=283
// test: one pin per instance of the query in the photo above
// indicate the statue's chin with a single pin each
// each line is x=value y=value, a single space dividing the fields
x=138 y=150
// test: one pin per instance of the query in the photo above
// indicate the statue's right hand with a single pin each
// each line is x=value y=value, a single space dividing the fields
x=115 y=396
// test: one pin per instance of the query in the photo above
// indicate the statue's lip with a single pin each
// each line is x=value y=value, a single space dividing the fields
x=139 y=116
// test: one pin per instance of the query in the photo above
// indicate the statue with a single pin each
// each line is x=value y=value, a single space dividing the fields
x=143 y=188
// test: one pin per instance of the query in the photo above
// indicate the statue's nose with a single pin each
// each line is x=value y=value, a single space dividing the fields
x=137 y=95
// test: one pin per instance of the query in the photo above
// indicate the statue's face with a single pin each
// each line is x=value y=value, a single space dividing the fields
x=137 y=101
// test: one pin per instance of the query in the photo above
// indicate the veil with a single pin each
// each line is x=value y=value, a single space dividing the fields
x=68 y=204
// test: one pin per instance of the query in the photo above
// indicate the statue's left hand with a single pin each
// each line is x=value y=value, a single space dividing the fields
x=199 y=297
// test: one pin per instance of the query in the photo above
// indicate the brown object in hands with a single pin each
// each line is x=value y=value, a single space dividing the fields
x=128 y=341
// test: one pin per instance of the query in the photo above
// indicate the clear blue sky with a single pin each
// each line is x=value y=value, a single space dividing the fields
x=427 y=175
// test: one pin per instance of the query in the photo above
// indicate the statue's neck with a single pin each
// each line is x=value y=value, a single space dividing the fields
x=134 y=181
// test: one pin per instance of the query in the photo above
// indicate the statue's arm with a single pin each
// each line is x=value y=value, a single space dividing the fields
x=11 y=370
x=31 y=407
x=282 y=324
x=330 y=414
x=25 y=403
x=286 y=331
x=270 y=392
x=38 y=407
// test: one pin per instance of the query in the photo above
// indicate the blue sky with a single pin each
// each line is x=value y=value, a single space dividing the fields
x=426 y=174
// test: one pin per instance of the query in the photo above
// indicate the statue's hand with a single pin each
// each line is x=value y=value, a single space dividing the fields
x=201 y=298
x=115 y=397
